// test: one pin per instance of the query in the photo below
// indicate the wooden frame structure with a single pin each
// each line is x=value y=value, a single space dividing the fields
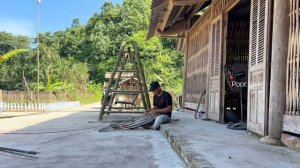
x=113 y=86
x=203 y=40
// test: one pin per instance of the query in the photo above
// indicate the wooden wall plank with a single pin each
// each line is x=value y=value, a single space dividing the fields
x=197 y=60
x=291 y=124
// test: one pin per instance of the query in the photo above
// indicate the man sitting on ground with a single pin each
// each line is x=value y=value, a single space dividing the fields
x=162 y=102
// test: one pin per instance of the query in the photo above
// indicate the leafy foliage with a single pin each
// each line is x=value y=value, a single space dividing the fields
x=77 y=58
x=11 y=54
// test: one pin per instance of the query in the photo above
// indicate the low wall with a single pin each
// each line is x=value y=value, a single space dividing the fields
x=6 y=106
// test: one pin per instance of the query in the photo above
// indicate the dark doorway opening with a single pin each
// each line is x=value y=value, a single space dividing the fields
x=236 y=64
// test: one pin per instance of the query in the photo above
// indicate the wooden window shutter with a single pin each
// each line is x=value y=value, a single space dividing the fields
x=261 y=31
x=216 y=48
x=258 y=34
x=257 y=109
x=213 y=51
x=254 y=21
x=214 y=89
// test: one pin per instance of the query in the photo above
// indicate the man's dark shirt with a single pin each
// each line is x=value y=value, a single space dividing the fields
x=163 y=101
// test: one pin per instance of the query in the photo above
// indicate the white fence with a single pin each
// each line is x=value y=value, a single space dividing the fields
x=5 y=106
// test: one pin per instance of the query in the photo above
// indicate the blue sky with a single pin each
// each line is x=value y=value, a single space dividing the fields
x=20 y=16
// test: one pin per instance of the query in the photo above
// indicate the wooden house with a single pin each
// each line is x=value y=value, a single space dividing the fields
x=127 y=83
x=130 y=100
x=260 y=38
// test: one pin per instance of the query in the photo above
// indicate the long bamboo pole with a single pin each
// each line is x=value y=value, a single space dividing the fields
x=288 y=74
x=104 y=102
x=294 y=57
x=138 y=75
x=38 y=51
x=297 y=110
x=143 y=79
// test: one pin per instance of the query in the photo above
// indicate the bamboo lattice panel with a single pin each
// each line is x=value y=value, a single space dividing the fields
x=293 y=62
x=197 y=60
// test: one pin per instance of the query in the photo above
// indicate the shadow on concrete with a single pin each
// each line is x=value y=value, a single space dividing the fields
x=68 y=139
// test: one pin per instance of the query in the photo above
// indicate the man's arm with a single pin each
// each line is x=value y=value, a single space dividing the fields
x=148 y=110
x=164 y=110
x=154 y=107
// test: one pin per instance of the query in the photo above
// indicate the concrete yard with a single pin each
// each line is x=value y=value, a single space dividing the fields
x=70 y=138
x=210 y=144
x=67 y=139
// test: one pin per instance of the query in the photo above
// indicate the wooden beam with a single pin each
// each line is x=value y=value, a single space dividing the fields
x=156 y=3
x=231 y=5
x=190 y=7
x=165 y=36
x=176 y=28
x=180 y=42
x=124 y=75
x=291 y=124
x=172 y=31
x=178 y=13
x=157 y=10
x=188 y=2
x=197 y=8
x=165 y=15
x=154 y=20
x=201 y=19
x=172 y=16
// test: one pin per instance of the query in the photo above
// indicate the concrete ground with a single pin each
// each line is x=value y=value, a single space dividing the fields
x=209 y=144
x=69 y=139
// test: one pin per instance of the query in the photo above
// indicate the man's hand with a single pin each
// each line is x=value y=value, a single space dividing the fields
x=153 y=112
x=146 y=112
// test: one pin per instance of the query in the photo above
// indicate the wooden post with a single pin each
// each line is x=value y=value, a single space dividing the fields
x=185 y=61
x=185 y=70
x=143 y=78
x=138 y=75
x=277 y=97
x=1 y=99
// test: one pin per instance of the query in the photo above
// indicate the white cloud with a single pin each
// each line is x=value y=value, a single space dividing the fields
x=18 y=27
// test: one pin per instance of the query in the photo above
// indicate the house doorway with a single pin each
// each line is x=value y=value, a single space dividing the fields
x=235 y=65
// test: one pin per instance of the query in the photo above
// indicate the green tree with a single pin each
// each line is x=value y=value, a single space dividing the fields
x=11 y=71
x=11 y=54
x=74 y=58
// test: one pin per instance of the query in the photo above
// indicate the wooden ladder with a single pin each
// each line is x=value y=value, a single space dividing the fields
x=113 y=88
